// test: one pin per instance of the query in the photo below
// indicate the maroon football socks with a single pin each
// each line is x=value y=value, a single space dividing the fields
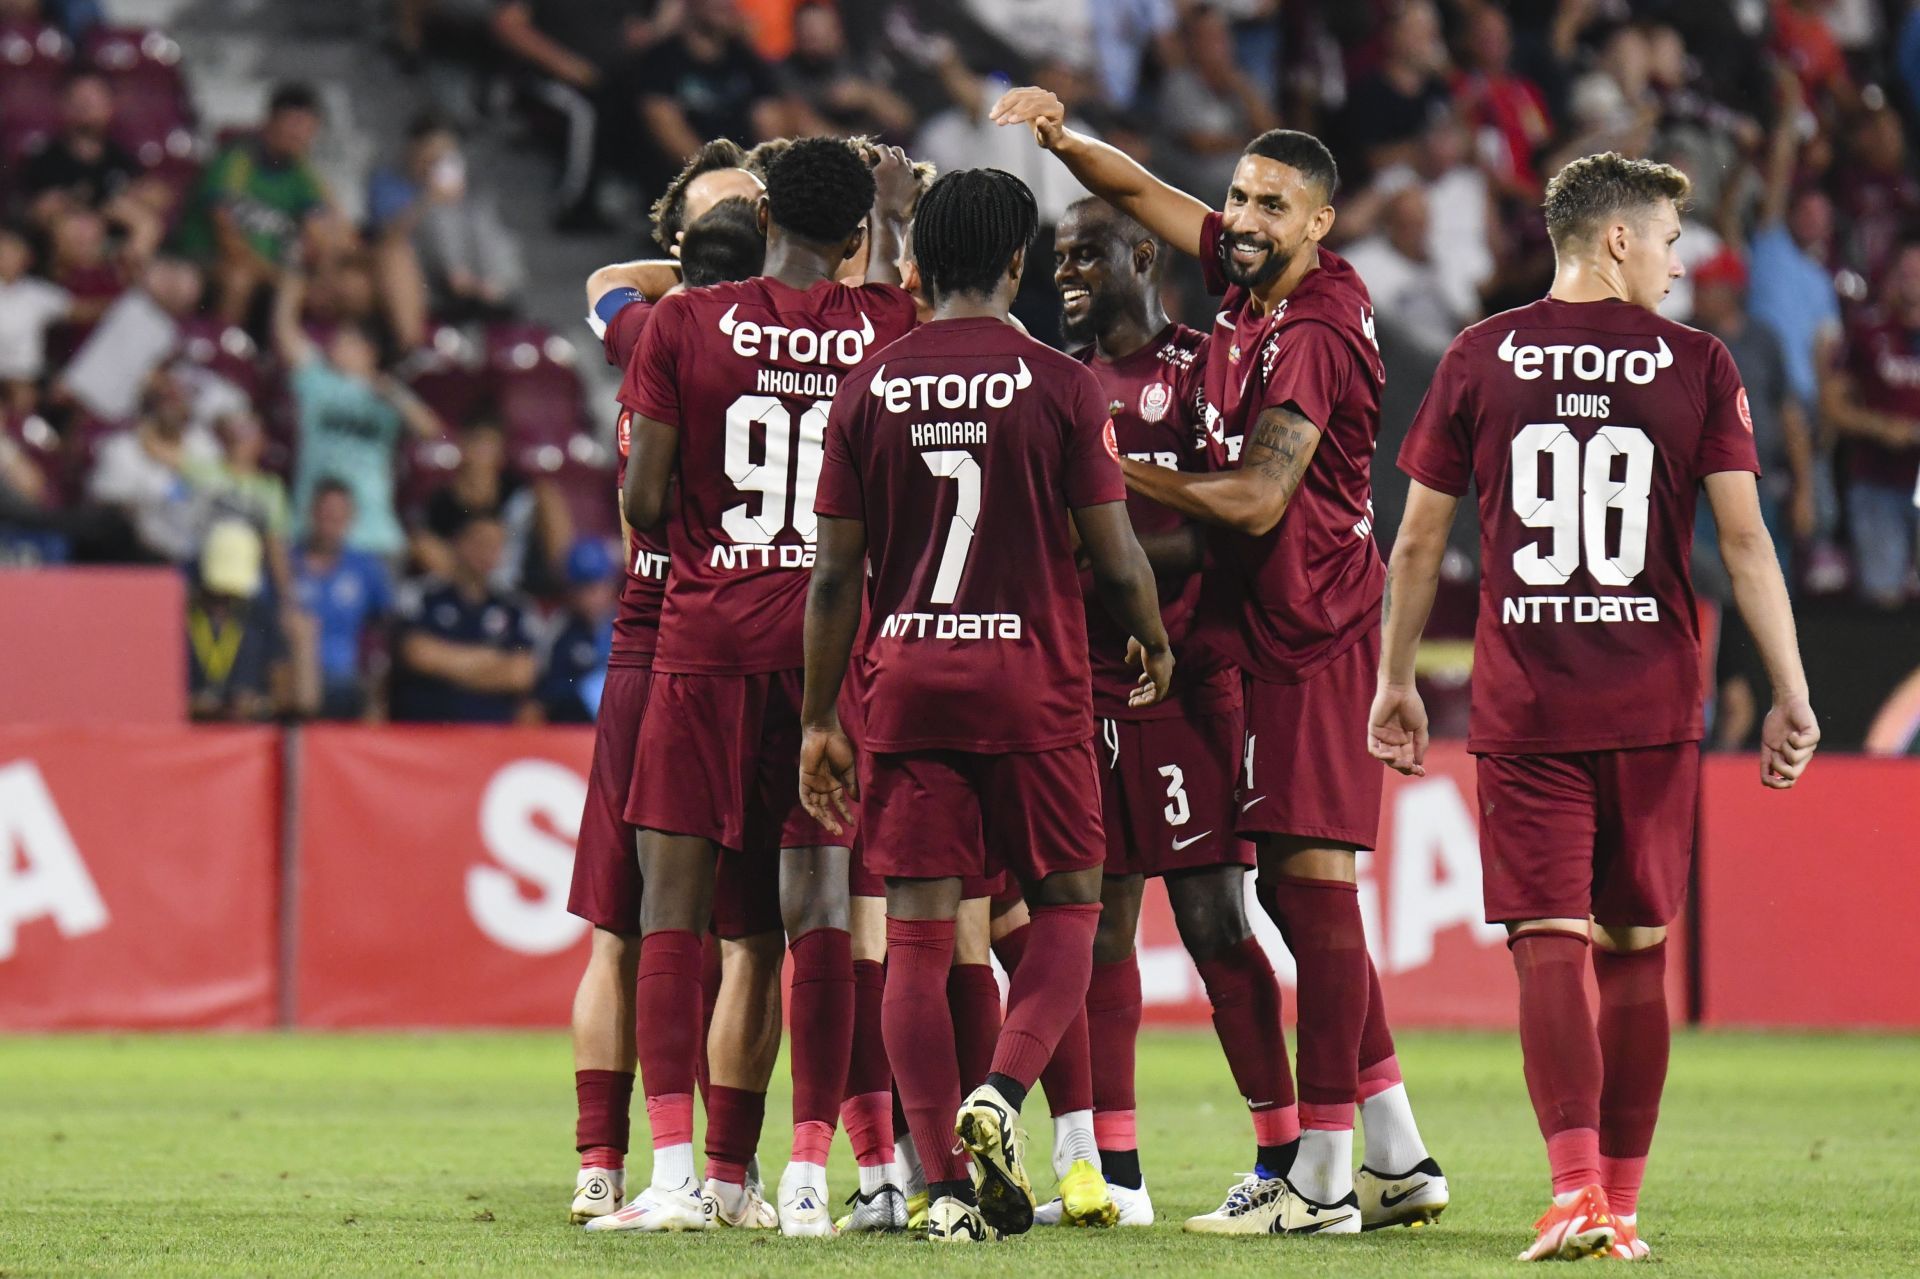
x=1321 y=919
x=919 y=1037
x=1113 y=1033
x=867 y=1113
x=821 y=1030
x=974 y=995
x=1561 y=1053
x=1246 y=1015
x=668 y=1012
x=600 y=1133
x=1047 y=991
x=1635 y=1037
x=734 y=1117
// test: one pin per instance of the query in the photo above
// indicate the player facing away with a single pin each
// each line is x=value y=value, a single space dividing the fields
x=606 y=874
x=1588 y=425
x=1168 y=771
x=1291 y=382
x=729 y=394
x=960 y=461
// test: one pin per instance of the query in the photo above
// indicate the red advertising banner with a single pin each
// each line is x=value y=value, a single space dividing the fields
x=104 y=646
x=138 y=877
x=1807 y=895
x=432 y=869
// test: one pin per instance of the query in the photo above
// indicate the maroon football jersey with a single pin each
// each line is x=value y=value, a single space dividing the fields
x=1586 y=428
x=636 y=625
x=1310 y=587
x=1883 y=357
x=1150 y=396
x=747 y=371
x=962 y=447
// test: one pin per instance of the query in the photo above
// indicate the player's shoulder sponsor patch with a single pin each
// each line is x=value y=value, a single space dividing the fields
x=1746 y=413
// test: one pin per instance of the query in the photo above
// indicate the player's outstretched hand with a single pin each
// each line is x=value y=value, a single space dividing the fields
x=1156 y=673
x=827 y=780
x=1397 y=730
x=894 y=184
x=1038 y=109
x=1787 y=741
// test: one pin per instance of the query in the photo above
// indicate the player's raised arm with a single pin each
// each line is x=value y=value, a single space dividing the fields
x=1125 y=581
x=896 y=186
x=833 y=612
x=1397 y=724
x=1108 y=172
x=1790 y=733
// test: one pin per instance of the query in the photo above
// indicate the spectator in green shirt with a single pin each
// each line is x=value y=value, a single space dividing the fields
x=255 y=199
x=350 y=417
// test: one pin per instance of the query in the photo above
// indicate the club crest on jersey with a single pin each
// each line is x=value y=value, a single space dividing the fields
x=626 y=430
x=751 y=340
x=1112 y=443
x=1746 y=413
x=929 y=391
x=1585 y=362
x=1155 y=399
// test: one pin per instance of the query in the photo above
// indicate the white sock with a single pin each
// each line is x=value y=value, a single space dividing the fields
x=1073 y=1139
x=871 y=1179
x=1323 y=1170
x=913 y=1178
x=803 y=1174
x=673 y=1166
x=1393 y=1142
x=730 y=1195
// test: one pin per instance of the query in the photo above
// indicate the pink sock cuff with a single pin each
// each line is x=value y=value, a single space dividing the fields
x=726 y=1170
x=1621 y=1178
x=1114 y=1130
x=1327 y=1116
x=1574 y=1156
x=670 y=1116
x=1380 y=1076
x=812 y=1139
x=1335 y=885
x=868 y=1119
x=607 y=1157
x=1276 y=1125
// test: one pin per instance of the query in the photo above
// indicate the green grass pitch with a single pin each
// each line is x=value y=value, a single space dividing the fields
x=309 y=1154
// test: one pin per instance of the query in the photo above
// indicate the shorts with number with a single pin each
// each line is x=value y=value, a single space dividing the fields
x=938 y=814
x=719 y=758
x=606 y=867
x=1167 y=793
x=1601 y=833
x=1306 y=771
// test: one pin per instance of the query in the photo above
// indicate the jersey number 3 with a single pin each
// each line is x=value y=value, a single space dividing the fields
x=1582 y=495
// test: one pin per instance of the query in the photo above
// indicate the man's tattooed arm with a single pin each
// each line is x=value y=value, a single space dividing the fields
x=1282 y=444
x=1251 y=498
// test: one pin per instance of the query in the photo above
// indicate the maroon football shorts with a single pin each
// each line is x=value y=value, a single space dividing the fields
x=868 y=883
x=1167 y=793
x=935 y=814
x=1601 y=833
x=1306 y=770
x=606 y=869
x=719 y=758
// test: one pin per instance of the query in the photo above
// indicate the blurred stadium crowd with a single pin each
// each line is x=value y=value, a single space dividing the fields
x=370 y=449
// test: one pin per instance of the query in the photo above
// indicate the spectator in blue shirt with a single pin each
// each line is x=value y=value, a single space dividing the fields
x=465 y=651
x=347 y=593
x=576 y=665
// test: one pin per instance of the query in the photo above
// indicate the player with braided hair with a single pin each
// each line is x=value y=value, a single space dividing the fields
x=961 y=460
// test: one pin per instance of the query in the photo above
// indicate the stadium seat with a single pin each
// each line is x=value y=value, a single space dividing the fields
x=536 y=393
x=446 y=375
x=226 y=349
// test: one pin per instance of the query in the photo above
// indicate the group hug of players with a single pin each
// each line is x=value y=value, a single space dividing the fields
x=878 y=531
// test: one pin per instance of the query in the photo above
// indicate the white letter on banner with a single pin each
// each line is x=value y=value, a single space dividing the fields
x=515 y=797
x=41 y=871
x=1434 y=876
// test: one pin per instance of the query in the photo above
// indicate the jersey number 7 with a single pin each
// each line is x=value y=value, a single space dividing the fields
x=959 y=466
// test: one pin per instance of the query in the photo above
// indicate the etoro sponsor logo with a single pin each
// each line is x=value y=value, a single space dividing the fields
x=1585 y=362
x=928 y=391
x=753 y=340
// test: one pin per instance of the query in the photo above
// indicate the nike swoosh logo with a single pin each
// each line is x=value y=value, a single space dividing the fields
x=1250 y=803
x=1394 y=1201
x=1318 y=1226
x=1179 y=844
x=1223 y=318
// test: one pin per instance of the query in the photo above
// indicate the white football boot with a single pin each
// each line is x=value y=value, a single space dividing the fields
x=738 y=1207
x=1250 y=1208
x=597 y=1192
x=1136 y=1207
x=1400 y=1199
x=659 y=1208
x=950 y=1220
x=804 y=1209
